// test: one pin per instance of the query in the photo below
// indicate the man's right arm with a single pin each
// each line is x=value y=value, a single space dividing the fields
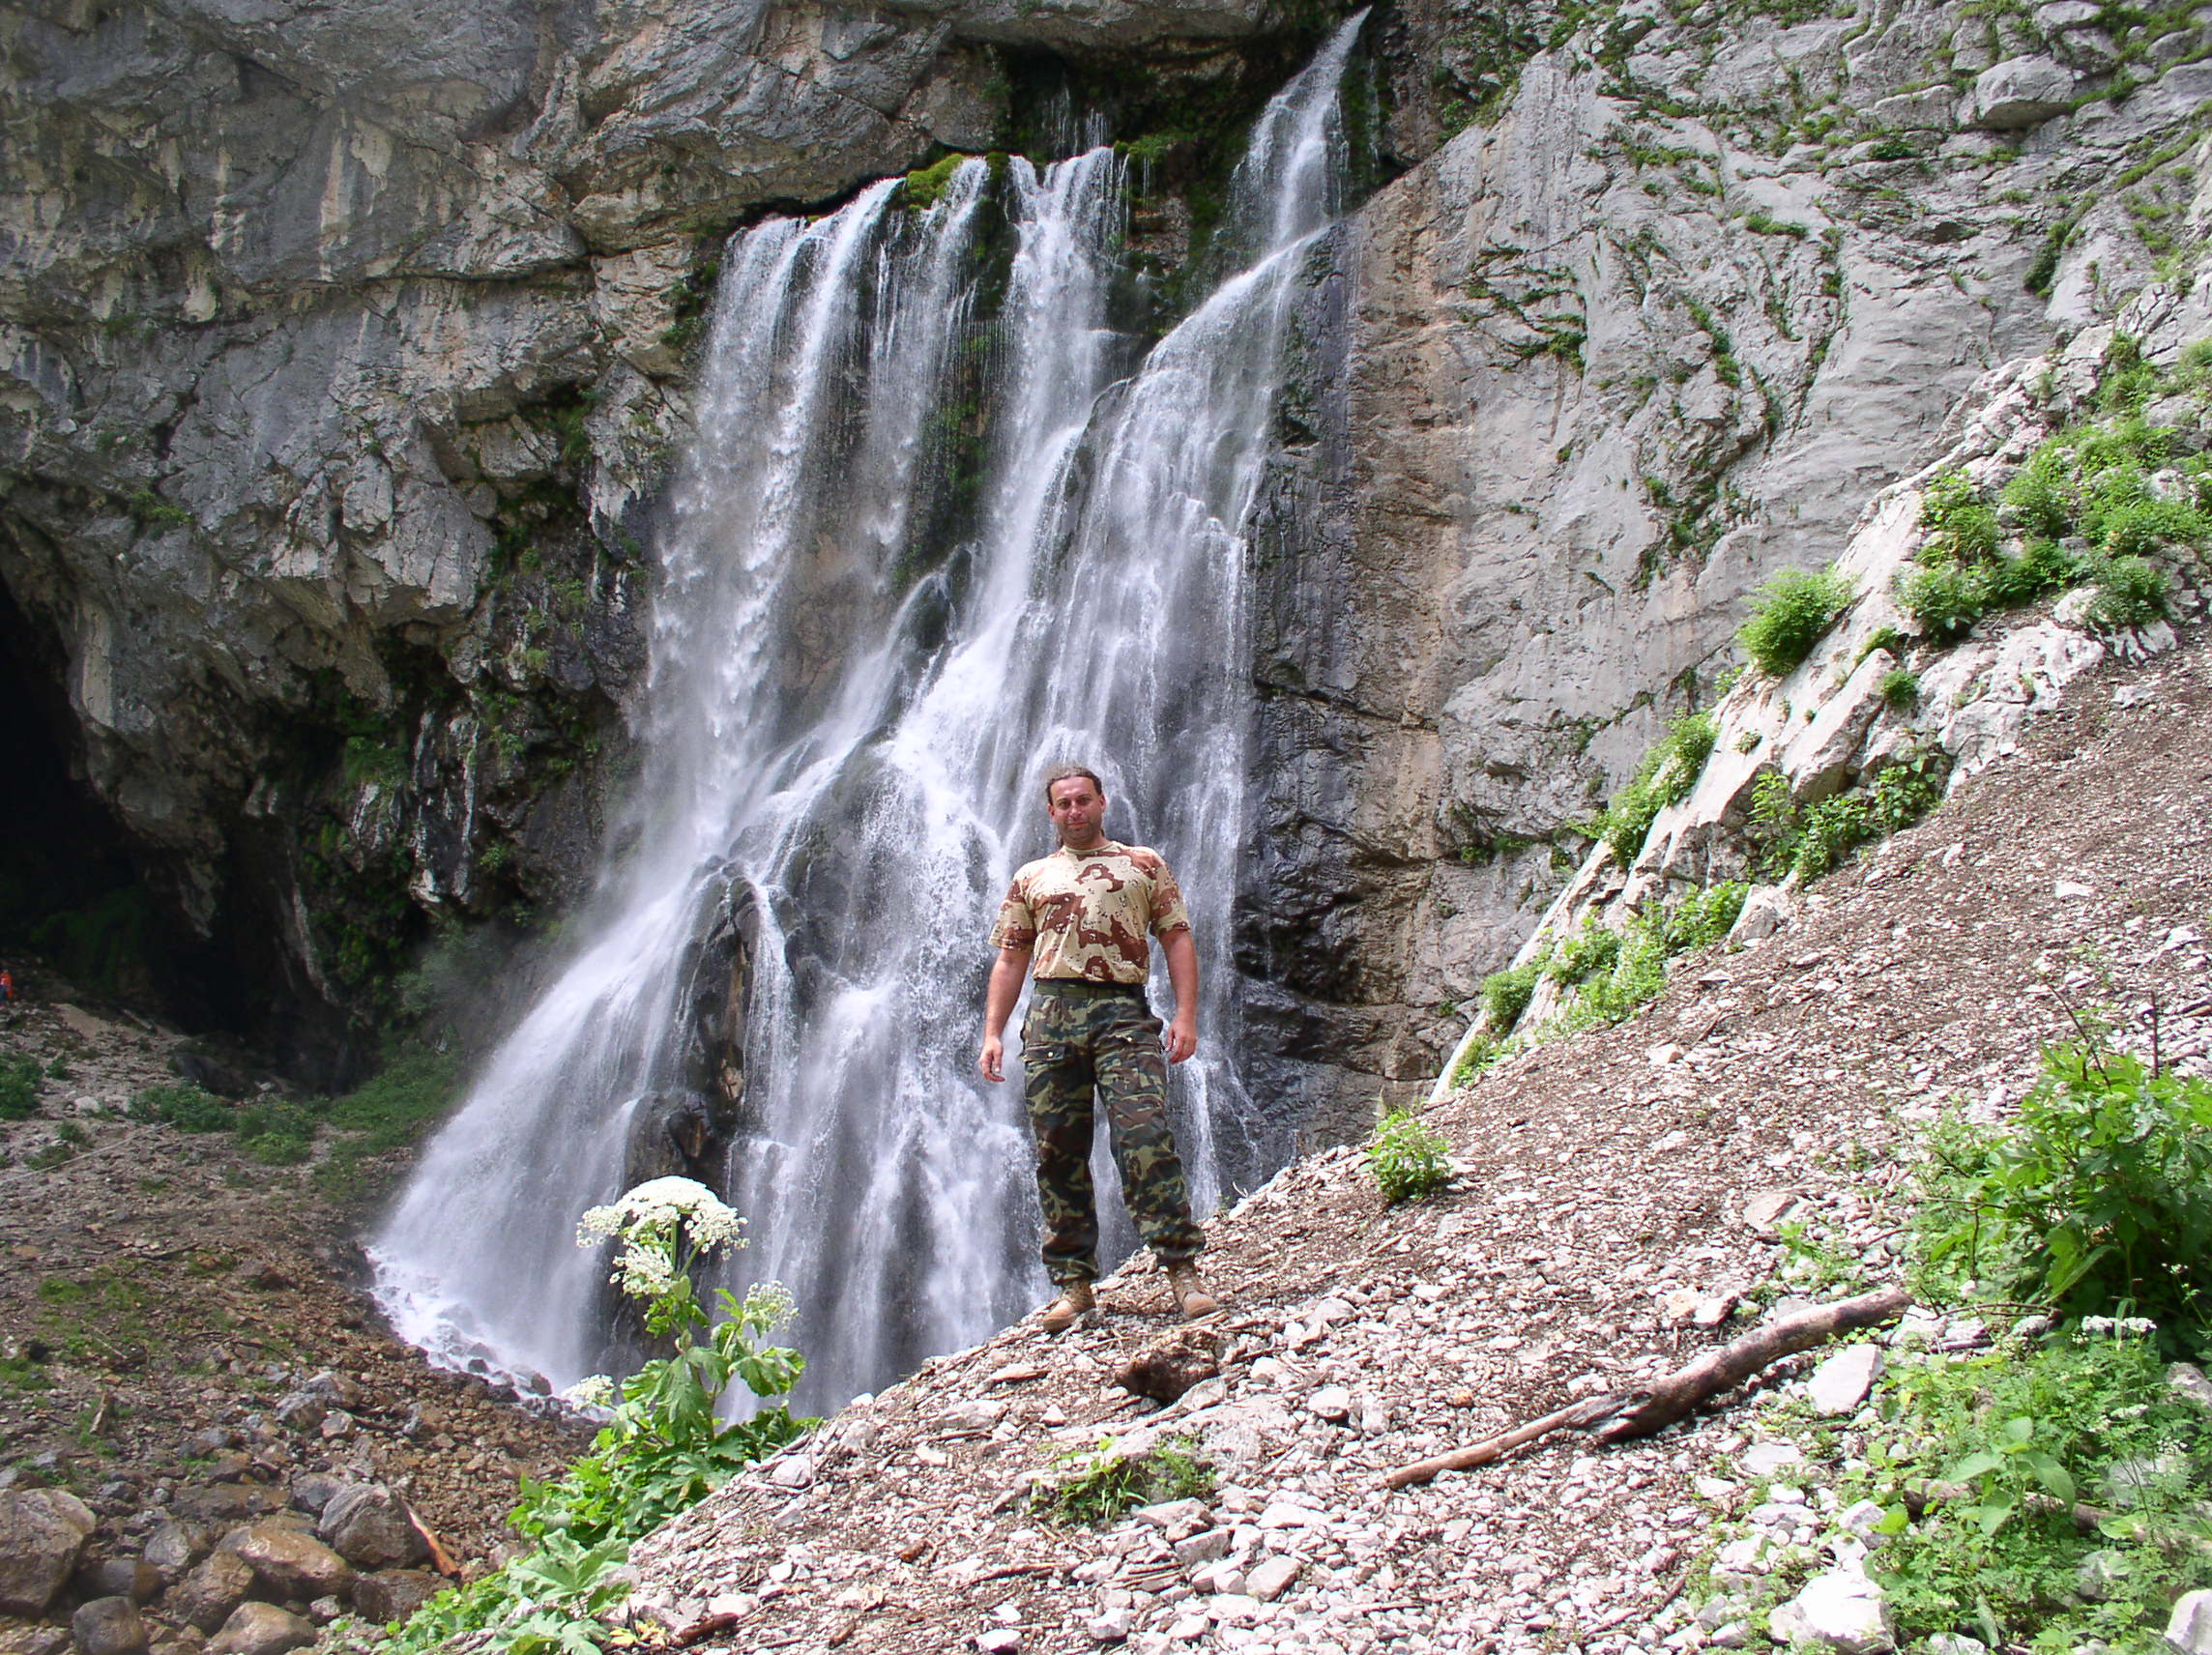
x=1006 y=973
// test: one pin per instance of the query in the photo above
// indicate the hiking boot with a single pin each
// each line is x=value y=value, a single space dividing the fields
x=1076 y=1300
x=1189 y=1291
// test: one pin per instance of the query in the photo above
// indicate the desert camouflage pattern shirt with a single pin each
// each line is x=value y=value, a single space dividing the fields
x=1088 y=914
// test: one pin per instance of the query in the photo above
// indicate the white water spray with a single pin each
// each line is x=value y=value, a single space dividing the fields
x=848 y=720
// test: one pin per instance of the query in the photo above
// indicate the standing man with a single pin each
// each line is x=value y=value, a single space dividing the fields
x=1085 y=913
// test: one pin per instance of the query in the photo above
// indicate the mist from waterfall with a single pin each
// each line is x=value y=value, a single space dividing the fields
x=850 y=709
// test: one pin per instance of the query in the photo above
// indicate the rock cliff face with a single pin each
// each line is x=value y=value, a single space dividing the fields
x=340 y=353
x=1709 y=280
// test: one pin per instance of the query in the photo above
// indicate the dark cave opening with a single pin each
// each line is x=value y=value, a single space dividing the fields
x=76 y=900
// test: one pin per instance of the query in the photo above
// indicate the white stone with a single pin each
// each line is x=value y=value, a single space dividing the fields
x=1765 y=1458
x=1205 y=1546
x=1332 y=1403
x=1843 y=1609
x=1841 y=1384
x=2018 y=91
x=1270 y=1580
x=797 y=1471
x=2069 y=889
x=1172 y=1514
x=1111 y=1627
x=2188 y=1631
x=2186 y=1380
x=1284 y=1514
x=1000 y=1640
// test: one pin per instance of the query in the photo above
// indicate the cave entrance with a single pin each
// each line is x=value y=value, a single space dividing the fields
x=75 y=900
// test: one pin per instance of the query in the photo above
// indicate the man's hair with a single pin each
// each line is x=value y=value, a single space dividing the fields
x=1068 y=772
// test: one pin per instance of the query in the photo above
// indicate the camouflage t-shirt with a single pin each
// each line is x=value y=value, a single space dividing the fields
x=1087 y=913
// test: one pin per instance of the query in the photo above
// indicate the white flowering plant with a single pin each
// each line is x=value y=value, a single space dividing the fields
x=661 y=1231
x=661 y=1449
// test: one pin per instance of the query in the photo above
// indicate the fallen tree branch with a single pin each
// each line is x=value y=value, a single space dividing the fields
x=1625 y=1414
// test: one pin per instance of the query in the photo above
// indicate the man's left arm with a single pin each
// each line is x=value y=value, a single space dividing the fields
x=1183 y=972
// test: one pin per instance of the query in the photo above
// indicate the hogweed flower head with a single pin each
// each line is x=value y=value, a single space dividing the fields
x=662 y=1228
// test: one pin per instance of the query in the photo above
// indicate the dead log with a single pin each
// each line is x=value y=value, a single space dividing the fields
x=1625 y=1414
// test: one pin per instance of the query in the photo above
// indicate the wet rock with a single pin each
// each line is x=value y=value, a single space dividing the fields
x=174 y=1547
x=43 y=1533
x=393 y=1594
x=119 y=1577
x=300 y=1411
x=313 y=1491
x=261 y=1629
x=215 y=1587
x=288 y=1563
x=370 y=1527
x=108 y=1626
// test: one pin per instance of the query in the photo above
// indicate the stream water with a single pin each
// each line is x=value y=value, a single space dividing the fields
x=849 y=706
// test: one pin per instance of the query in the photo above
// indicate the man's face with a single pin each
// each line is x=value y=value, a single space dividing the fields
x=1077 y=809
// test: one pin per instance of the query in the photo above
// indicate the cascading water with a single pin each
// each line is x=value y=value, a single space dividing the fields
x=845 y=733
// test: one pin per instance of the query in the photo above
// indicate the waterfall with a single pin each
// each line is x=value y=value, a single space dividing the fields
x=939 y=529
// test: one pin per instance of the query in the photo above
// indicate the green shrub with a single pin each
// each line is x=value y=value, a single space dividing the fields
x=1793 y=611
x=2130 y=592
x=1665 y=776
x=1809 y=840
x=1884 y=637
x=2040 y=495
x=188 y=1108
x=2041 y=568
x=1961 y=526
x=1945 y=601
x=1505 y=993
x=1704 y=917
x=2098 y=1201
x=1105 y=1485
x=1409 y=1159
x=2027 y=1430
x=1900 y=689
x=1591 y=950
x=2134 y=527
x=18 y=1087
x=276 y=1133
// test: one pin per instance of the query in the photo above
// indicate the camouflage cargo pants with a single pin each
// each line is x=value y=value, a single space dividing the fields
x=1078 y=1037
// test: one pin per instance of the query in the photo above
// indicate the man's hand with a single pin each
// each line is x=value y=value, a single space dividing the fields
x=1006 y=973
x=1182 y=1037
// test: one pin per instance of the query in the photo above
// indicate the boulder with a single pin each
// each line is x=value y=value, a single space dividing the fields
x=261 y=1629
x=2018 y=92
x=300 y=1411
x=42 y=1533
x=108 y=1626
x=370 y=1527
x=119 y=1578
x=175 y=1547
x=393 y=1594
x=288 y=1563
x=206 y=1595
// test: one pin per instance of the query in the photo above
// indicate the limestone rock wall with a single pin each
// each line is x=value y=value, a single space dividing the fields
x=1709 y=280
x=342 y=354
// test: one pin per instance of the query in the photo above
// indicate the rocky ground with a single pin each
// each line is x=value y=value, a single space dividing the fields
x=184 y=1352
x=1624 y=1199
